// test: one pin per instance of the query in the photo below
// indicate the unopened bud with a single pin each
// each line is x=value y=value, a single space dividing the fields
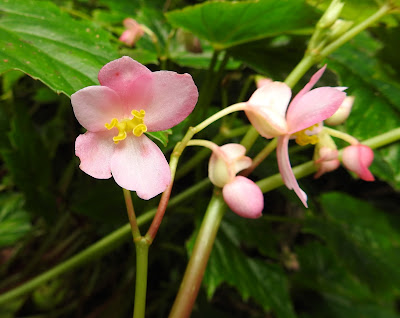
x=342 y=113
x=331 y=14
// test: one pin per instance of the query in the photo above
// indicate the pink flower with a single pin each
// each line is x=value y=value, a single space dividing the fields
x=133 y=32
x=241 y=194
x=358 y=158
x=130 y=101
x=270 y=113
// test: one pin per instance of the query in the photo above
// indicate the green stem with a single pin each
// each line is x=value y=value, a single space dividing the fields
x=261 y=156
x=193 y=276
x=142 y=253
x=309 y=167
x=97 y=250
x=250 y=138
x=304 y=65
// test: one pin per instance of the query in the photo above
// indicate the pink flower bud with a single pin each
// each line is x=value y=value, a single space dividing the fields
x=241 y=194
x=342 y=113
x=358 y=158
x=244 y=197
x=327 y=161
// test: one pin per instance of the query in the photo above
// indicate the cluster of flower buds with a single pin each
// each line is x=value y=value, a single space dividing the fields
x=241 y=194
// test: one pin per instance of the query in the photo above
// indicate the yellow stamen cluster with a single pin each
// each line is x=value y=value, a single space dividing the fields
x=302 y=138
x=136 y=125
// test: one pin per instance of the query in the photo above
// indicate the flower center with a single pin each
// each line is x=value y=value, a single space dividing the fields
x=308 y=135
x=135 y=125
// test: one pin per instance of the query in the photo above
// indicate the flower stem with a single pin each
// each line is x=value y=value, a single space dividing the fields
x=142 y=253
x=341 y=135
x=131 y=214
x=193 y=276
x=97 y=250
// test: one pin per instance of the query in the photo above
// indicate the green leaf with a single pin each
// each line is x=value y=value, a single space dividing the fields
x=161 y=136
x=377 y=105
x=14 y=220
x=263 y=282
x=39 y=39
x=226 y=24
x=29 y=165
x=363 y=238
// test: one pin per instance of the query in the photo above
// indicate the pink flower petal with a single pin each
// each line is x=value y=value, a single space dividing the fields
x=95 y=151
x=130 y=79
x=244 y=197
x=139 y=165
x=173 y=99
x=313 y=107
x=266 y=109
x=94 y=106
x=358 y=158
x=314 y=79
x=236 y=156
x=285 y=168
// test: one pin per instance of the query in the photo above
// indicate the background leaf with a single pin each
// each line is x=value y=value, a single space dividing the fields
x=226 y=24
x=14 y=220
x=259 y=280
x=64 y=61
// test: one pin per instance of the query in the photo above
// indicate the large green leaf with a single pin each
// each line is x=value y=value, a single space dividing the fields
x=14 y=220
x=39 y=39
x=226 y=24
x=262 y=281
x=377 y=105
x=364 y=239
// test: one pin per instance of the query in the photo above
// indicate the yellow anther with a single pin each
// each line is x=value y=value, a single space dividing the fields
x=303 y=138
x=135 y=124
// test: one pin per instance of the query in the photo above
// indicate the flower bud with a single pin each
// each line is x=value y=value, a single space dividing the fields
x=331 y=14
x=358 y=158
x=244 y=197
x=325 y=155
x=342 y=113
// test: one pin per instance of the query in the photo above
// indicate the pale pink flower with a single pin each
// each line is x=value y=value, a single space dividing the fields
x=270 y=113
x=358 y=158
x=133 y=32
x=241 y=194
x=130 y=101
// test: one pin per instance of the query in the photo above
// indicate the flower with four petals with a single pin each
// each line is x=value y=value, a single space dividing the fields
x=130 y=101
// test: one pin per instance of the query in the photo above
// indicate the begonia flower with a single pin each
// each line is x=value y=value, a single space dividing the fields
x=241 y=194
x=269 y=111
x=133 y=32
x=358 y=158
x=130 y=101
